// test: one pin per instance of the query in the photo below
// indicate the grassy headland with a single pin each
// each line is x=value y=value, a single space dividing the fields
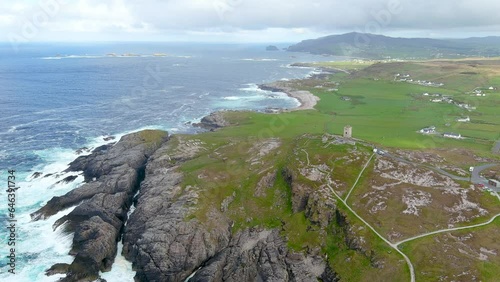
x=274 y=170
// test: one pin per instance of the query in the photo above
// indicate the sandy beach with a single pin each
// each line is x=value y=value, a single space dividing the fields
x=307 y=99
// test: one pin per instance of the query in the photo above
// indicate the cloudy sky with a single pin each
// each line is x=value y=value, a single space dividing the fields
x=241 y=20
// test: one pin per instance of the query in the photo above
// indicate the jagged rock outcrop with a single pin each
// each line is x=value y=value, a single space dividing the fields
x=262 y=255
x=166 y=244
x=158 y=239
x=320 y=210
x=212 y=122
x=97 y=221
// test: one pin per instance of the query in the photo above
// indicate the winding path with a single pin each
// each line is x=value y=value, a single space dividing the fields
x=394 y=246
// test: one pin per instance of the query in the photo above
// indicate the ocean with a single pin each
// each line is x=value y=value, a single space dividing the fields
x=56 y=98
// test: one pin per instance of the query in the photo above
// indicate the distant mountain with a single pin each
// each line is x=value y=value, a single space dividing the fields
x=379 y=46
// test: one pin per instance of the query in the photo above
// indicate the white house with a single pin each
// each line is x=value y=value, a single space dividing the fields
x=453 y=135
x=491 y=88
x=428 y=130
x=464 y=119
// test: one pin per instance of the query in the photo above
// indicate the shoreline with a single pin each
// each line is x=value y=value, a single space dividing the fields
x=306 y=99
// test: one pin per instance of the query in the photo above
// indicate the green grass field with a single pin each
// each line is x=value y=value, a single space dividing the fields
x=390 y=113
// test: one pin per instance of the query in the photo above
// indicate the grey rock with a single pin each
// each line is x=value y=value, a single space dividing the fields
x=67 y=179
x=58 y=268
x=102 y=205
x=158 y=239
x=260 y=255
x=320 y=210
x=212 y=122
x=36 y=175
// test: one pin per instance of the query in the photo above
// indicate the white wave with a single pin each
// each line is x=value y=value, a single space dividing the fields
x=204 y=94
x=121 y=271
x=51 y=58
x=55 y=161
x=259 y=60
x=252 y=87
x=313 y=72
x=73 y=57
x=44 y=246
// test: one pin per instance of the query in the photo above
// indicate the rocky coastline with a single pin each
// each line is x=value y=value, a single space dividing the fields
x=159 y=238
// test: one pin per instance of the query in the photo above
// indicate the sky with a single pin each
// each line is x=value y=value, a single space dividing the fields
x=241 y=20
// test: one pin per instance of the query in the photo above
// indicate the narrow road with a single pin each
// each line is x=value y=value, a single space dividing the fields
x=476 y=179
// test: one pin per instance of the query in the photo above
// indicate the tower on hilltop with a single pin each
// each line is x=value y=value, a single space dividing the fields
x=347 y=131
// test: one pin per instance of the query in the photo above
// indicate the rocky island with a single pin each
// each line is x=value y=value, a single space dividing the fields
x=272 y=48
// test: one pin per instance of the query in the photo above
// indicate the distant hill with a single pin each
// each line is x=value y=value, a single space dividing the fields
x=379 y=46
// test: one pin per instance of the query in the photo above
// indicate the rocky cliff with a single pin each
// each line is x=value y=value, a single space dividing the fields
x=165 y=245
x=161 y=238
x=113 y=174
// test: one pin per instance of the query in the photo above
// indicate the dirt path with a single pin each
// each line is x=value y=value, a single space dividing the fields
x=359 y=176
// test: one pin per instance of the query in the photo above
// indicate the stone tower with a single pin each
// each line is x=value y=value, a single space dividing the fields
x=347 y=131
